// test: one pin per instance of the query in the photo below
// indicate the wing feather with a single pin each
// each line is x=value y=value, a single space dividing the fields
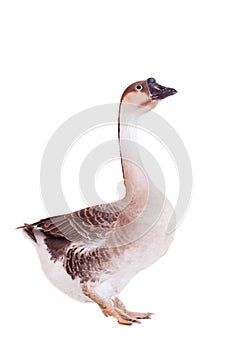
x=86 y=226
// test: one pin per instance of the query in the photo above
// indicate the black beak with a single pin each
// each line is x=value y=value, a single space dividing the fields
x=158 y=92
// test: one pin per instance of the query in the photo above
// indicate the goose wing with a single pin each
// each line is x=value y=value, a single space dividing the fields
x=86 y=226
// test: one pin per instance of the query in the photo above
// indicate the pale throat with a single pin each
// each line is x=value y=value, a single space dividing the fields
x=135 y=178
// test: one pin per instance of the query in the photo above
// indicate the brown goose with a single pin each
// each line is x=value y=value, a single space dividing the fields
x=91 y=254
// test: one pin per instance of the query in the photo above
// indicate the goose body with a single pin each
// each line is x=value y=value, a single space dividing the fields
x=91 y=254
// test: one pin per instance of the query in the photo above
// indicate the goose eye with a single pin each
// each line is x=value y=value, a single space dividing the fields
x=138 y=87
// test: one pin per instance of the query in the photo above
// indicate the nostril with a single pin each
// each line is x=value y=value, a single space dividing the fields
x=151 y=80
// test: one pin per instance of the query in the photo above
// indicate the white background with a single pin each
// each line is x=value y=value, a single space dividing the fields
x=60 y=57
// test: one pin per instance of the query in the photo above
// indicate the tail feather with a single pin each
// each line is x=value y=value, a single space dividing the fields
x=28 y=229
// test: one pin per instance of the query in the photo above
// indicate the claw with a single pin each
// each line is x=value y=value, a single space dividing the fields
x=134 y=315
x=120 y=315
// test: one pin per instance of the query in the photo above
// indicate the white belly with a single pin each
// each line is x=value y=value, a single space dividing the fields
x=56 y=273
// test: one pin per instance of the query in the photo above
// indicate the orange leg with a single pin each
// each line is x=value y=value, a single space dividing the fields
x=108 y=308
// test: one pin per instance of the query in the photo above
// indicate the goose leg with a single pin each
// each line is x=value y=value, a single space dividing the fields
x=138 y=315
x=108 y=308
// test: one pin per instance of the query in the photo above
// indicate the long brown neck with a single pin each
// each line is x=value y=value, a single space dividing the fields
x=135 y=179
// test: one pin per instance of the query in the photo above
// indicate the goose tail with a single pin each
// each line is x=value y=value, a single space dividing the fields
x=28 y=229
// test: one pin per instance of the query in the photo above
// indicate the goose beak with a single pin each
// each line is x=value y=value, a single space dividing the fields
x=159 y=92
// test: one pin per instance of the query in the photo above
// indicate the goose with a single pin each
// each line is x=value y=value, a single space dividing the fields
x=91 y=254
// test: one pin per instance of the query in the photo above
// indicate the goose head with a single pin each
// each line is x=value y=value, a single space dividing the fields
x=146 y=94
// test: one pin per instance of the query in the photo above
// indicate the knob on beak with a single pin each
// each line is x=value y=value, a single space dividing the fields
x=158 y=92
